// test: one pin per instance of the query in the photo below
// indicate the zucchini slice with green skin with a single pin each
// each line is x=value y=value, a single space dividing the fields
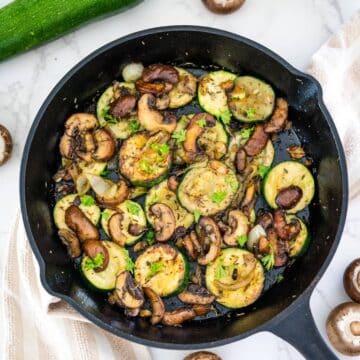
x=140 y=161
x=299 y=245
x=251 y=99
x=285 y=174
x=105 y=280
x=266 y=157
x=162 y=194
x=208 y=189
x=132 y=213
x=213 y=141
x=163 y=268
x=94 y=167
x=211 y=92
x=92 y=212
x=184 y=91
x=121 y=128
x=221 y=270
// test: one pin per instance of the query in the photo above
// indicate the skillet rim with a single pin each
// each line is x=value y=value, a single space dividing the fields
x=303 y=297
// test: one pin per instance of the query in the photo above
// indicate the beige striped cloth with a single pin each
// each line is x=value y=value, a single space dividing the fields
x=36 y=325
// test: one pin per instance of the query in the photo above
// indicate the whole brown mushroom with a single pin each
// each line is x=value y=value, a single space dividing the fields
x=5 y=145
x=223 y=6
x=202 y=355
x=343 y=328
x=351 y=280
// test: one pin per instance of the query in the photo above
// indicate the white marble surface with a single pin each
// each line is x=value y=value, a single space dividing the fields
x=294 y=29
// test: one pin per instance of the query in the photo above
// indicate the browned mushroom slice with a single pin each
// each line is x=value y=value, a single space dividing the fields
x=72 y=243
x=160 y=73
x=257 y=141
x=162 y=102
x=285 y=231
x=172 y=183
x=202 y=309
x=123 y=106
x=265 y=220
x=153 y=120
x=116 y=229
x=279 y=247
x=210 y=238
x=76 y=220
x=81 y=121
x=287 y=198
x=164 y=222
x=240 y=160
x=343 y=328
x=136 y=229
x=177 y=317
x=93 y=248
x=296 y=152
x=248 y=201
x=223 y=6
x=278 y=119
x=202 y=355
x=105 y=145
x=196 y=294
x=5 y=145
x=149 y=88
x=158 y=307
x=192 y=245
x=238 y=226
x=128 y=293
x=141 y=245
x=85 y=146
x=351 y=280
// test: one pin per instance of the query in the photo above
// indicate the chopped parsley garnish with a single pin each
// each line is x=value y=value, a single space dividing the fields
x=87 y=200
x=263 y=170
x=225 y=116
x=133 y=208
x=134 y=126
x=105 y=172
x=150 y=237
x=201 y=122
x=145 y=166
x=246 y=132
x=94 y=263
x=109 y=118
x=241 y=239
x=268 y=261
x=161 y=149
x=197 y=215
x=250 y=113
x=130 y=266
x=220 y=272
x=179 y=136
x=218 y=196
x=279 y=278
x=155 y=267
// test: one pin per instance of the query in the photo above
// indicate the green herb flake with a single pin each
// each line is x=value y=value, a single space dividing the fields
x=105 y=172
x=201 y=122
x=145 y=166
x=161 y=149
x=218 y=196
x=94 y=263
x=130 y=265
x=246 y=132
x=220 y=272
x=197 y=215
x=263 y=170
x=109 y=118
x=241 y=239
x=133 y=208
x=268 y=261
x=226 y=116
x=155 y=267
x=150 y=237
x=105 y=215
x=87 y=200
x=279 y=278
x=134 y=126
x=179 y=136
x=250 y=113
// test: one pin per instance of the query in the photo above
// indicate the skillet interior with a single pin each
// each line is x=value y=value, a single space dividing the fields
x=81 y=86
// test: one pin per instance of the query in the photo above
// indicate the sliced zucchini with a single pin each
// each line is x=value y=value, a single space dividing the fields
x=284 y=175
x=92 y=212
x=211 y=92
x=300 y=244
x=118 y=262
x=213 y=141
x=242 y=291
x=251 y=99
x=121 y=128
x=94 y=167
x=163 y=268
x=208 y=189
x=140 y=160
x=162 y=194
x=184 y=91
x=266 y=157
x=132 y=213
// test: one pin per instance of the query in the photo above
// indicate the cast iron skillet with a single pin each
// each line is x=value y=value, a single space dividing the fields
x=284 y=309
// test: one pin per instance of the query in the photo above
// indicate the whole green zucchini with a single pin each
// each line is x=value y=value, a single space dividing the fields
x=25 y=24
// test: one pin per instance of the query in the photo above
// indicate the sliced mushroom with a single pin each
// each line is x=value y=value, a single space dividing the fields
x=94 y=247
x=141 y=245
x=149 y=88
x=164 y=222
x=194 y=131
x=279 y=247
x=128 y=293
x=265 y=220
x=81 y=121
x=158 y=307
x=85 y=146
x=172 y=183
x=153 y=120
x=202 y=355
x=115 y=227
x=77 y=221
x=123 y=106
x=177 y=317
x=257 y=141
x=238 y=225
x=296 y=152
x=240 y=160
x=136 y=229
x=162 y=102
x=160 y=73
x=202 y=309
x=105 y=145
x=192 y=245
x=6 y=145
x=351 y=280
x=248 y=201
x=196 y=294
x=278 y=119
x=287 y=198
x=210 y=237
x=285 y=231
x=343 y=328
x=223 y=6
x=72 y=243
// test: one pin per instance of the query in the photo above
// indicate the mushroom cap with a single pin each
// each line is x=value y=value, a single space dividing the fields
x=6 y=145
x=202 y=355
x=164 y=223
x=351 y=280
x=343 y=328
x=223 y=6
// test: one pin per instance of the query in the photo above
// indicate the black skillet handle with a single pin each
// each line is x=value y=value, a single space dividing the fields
x=299 y=330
